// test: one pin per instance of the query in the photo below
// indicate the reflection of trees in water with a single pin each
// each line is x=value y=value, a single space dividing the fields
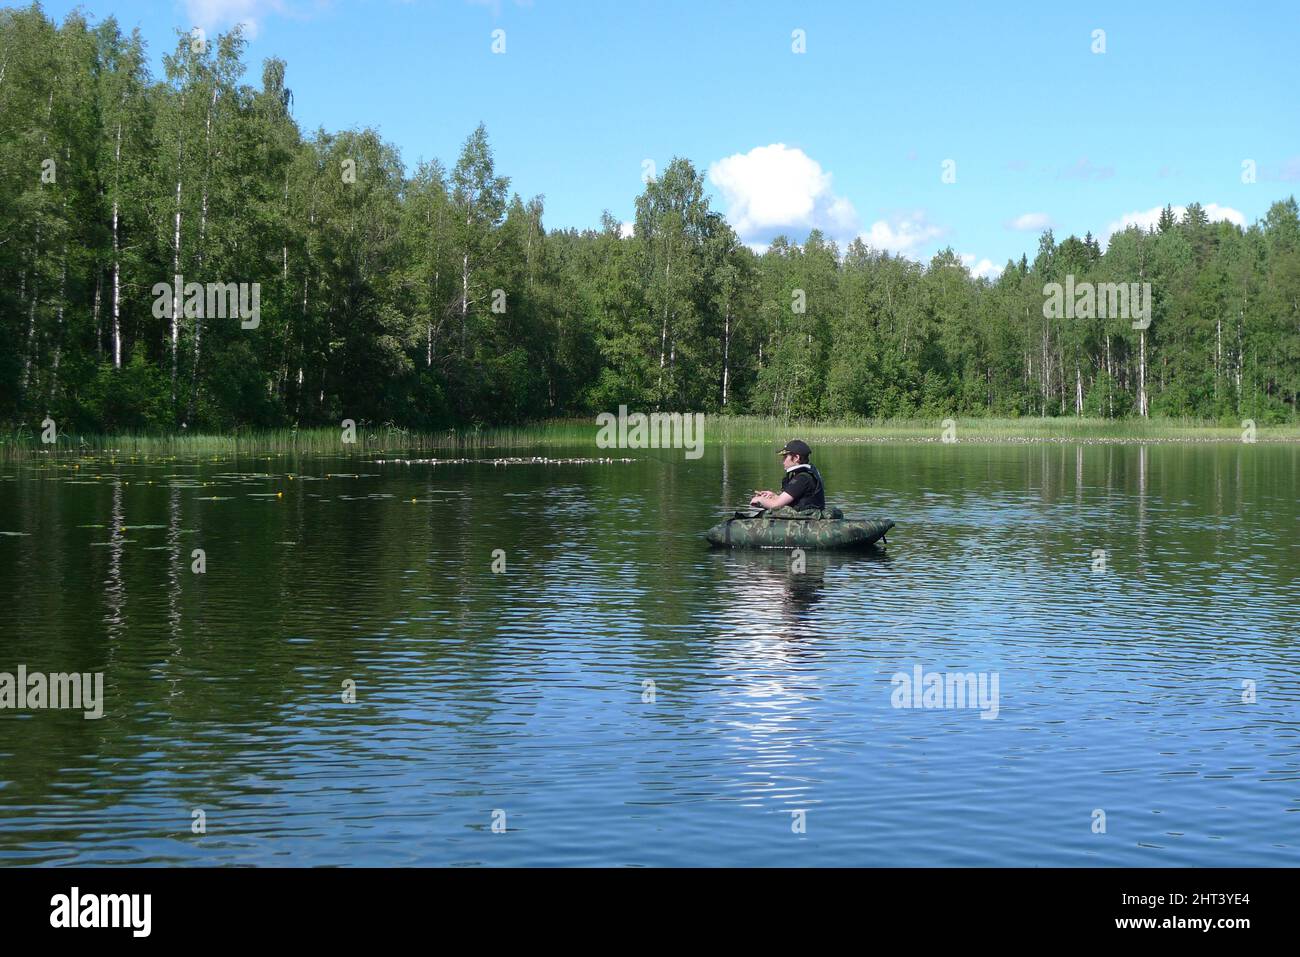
x=208 y=679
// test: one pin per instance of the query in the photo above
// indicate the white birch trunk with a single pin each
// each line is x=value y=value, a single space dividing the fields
x=203 y=236
x=99 y=326
x=726 y=352
x=663 y=332
x=31 y=317
x=464 y=297
x=1142 y=361
x=176 y=246
x=117 y=265
x=1218 y=350
x=176 y=292
x=1142 y=373
x=1110 y=383
x=58 y=329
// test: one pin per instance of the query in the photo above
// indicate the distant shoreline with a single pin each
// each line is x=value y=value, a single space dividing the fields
x=725 y=430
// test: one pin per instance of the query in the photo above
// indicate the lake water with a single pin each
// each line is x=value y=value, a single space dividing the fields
x=1138 y=607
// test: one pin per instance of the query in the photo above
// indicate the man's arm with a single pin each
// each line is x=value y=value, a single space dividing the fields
x=799 y=486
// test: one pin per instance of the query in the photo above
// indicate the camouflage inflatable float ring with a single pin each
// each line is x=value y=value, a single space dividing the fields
x=787 y=528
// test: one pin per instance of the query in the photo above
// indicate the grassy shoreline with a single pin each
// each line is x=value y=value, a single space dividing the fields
x=729 y=430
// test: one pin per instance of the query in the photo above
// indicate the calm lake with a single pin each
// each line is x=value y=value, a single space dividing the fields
x=615 y=693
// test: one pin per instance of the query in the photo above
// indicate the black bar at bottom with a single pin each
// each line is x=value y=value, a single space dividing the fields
x=333 y=907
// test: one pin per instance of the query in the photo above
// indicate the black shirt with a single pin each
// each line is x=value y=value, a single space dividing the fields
x=803 y=484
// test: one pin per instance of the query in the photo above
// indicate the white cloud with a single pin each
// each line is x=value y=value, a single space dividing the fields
x=777 y=188
x=901 y=234
x=984 y=269
x=781 y=189
x=1147 y=218
x=223 y=14
x=1031 y=222
x=1216 y=213
x=625 y=230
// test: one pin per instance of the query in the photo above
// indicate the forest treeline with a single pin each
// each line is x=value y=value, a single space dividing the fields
x=435 y=297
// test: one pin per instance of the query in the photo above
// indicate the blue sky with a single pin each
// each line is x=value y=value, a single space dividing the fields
x=850 y=136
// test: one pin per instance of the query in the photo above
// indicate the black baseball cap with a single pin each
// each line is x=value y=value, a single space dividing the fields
x=796 y=447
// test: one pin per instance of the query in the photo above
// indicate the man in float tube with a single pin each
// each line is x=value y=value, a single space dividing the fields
x=802 y=488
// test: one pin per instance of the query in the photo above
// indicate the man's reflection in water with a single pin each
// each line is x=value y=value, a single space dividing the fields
x=782 y=618
x=786 y=584
x=804 y=588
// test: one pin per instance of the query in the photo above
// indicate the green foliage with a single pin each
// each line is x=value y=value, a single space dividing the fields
x=133 y=398
x=436 y=298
